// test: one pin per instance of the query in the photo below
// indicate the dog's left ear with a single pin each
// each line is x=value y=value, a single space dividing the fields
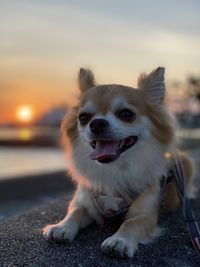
x=86 y=79
x=153 y=85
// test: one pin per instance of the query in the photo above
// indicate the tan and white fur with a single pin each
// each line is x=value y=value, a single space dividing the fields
x=138 y=169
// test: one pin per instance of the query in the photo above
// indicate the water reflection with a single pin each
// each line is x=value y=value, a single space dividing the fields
x=29 y=135
x=30 y=150
x=25 y=134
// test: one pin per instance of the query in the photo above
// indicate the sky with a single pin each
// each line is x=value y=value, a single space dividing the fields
x=43 y=43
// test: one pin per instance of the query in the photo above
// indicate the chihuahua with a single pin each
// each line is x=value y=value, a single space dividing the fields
x=118 y=141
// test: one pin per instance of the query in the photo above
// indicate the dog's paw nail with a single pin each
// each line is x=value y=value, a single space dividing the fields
x=118 y=246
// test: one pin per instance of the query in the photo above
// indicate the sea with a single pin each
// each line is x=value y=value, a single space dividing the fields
x=21 y=161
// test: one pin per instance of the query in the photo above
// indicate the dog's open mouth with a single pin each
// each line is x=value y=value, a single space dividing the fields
x=108 y=151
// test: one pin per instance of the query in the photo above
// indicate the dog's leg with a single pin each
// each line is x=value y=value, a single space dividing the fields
x=140 y=225
x=76 y=218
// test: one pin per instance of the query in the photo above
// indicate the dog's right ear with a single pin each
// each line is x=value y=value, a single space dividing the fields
x=153 y=85
x=86 y=79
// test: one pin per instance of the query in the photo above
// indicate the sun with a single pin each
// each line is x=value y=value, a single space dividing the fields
x=24 y=114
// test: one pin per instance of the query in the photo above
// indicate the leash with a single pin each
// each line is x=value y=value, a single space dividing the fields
x=188 y=213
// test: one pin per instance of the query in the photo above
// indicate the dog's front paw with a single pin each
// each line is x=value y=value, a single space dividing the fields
x=60 y=232
x=118 y=246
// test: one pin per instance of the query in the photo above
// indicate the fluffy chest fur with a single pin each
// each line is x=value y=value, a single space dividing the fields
x=133 y=171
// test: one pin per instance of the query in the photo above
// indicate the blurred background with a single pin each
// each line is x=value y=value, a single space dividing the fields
x=45 y=42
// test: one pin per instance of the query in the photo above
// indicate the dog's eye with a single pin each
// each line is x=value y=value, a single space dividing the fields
x=126 y=115
x=84 y=118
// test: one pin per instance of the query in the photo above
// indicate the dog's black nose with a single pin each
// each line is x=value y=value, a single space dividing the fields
x=98 y=125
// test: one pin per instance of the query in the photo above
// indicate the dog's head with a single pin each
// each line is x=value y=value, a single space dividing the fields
x=113 y=119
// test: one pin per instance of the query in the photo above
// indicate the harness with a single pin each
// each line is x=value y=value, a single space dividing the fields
x=176 y=174
x=109 y=214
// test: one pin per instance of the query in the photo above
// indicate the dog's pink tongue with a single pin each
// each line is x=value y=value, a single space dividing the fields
x=104 y=150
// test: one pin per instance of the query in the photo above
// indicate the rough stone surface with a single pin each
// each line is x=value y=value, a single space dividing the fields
x=22 y=244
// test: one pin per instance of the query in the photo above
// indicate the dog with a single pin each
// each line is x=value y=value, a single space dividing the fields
x=118 y=142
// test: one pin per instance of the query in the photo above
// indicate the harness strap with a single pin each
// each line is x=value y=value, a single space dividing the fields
x=188 y=213
x=166 y=179
x=97 y=201
x=108 y=214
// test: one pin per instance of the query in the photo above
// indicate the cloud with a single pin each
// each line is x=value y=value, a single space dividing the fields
x=117 y=37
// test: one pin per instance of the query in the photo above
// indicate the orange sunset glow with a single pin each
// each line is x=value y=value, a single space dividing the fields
x=25 y=114
x=44 y=43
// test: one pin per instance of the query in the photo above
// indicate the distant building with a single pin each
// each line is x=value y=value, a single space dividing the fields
x=52 y=117
x=188 y=120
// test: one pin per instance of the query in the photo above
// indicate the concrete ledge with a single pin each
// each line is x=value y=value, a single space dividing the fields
x=23 y=193
x=34 y=185
x=21 y=243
